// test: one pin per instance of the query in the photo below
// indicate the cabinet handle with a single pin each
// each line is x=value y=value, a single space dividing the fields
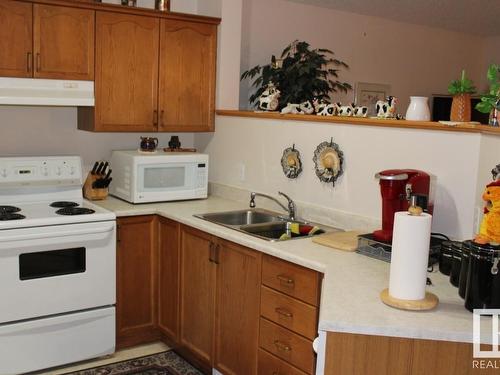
x=155 y=118
x=286 y=280
x=29 y=61
x=38 y=62
x=283 y=312
x=217 y=250
x=211 y=253
x=118 y=230
x=280 y=345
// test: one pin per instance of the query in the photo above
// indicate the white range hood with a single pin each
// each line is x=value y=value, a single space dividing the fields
x=47 y=92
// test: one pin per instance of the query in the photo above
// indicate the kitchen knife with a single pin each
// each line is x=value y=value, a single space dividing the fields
x=108 y=174
x=95 y=167
x=103 y=170
x=99 y=169
x=108 y=181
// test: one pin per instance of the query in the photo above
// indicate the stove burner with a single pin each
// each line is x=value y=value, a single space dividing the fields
x=11 y=216
x=63 y=204
x=74 y=211
x=8 y=209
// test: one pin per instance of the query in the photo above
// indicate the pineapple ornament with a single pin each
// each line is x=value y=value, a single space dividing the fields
x=461 y=89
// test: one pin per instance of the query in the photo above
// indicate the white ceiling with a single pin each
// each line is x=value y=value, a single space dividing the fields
x=481 y=17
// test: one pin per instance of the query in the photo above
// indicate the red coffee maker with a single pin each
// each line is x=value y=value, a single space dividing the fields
x=397 y=186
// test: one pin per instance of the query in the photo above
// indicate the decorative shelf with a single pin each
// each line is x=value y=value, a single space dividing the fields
x=427 y=125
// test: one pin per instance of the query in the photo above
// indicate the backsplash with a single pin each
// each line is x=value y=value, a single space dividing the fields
x=33 y=131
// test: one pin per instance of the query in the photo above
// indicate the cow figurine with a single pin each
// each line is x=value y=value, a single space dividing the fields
x=360 y=111
x=302 y=108
x=323 y=108
x=346 y=110
x=387 y=109
x=269 y=99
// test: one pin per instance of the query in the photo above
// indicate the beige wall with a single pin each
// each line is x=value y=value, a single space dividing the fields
x=33 y=131
x=414 y=60
x=256 y=146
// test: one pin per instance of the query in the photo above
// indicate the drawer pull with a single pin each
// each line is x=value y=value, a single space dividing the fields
x=286 y=280
x=283 y=312
x=282 y=346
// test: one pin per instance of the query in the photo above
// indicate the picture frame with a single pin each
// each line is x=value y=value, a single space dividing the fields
x=367 y=94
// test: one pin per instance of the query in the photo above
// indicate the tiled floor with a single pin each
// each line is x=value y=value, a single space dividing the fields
x=122 y=355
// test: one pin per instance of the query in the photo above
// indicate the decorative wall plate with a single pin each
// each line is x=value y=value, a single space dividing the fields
x=328 y=162
x=291 y=163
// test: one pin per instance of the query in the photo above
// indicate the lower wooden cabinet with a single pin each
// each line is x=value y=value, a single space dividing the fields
x=197 y=296
x=219 y=307
x=353 y=354
x=168 y=279
x=237 y=309
x=137 y=280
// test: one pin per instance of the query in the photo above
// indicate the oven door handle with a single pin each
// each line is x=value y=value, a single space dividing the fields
x=24 y=237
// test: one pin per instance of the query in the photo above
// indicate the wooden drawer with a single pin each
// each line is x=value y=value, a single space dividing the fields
x=288 y=312
x=271 y=365
x=291 y=279
x=287 y=345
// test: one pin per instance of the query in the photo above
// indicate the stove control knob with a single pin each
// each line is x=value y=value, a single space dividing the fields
x=72 y=171
x=58 y=171
x=45 y=171
x=3 y=173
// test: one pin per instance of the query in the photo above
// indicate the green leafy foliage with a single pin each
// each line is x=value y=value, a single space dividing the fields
x=491 y=99
x=300 y=74
x=461 y=86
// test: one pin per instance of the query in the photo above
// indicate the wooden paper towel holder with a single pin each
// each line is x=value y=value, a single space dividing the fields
x=428 y=303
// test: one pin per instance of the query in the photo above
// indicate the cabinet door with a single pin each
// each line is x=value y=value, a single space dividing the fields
x=197 y=293
x=238 y=305
x=63 y=42
x=16 y=39
x=168 y=282
x=136 y=286
x=126 y=81
x=187 y=76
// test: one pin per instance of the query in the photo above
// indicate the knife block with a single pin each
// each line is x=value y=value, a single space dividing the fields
x=93 y=194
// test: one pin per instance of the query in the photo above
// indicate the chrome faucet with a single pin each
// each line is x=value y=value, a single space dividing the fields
x=291 y=203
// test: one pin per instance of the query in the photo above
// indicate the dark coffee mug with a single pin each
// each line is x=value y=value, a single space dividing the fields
x=149 y=144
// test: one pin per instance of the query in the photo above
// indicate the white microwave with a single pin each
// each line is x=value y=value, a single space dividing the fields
x=158 y=177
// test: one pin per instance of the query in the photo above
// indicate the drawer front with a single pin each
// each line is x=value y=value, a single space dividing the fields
x=291 y=279
x=271 y=365
x=290 y=313
x=287 y=345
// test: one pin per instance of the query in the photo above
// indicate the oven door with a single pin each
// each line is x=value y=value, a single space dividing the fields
x=56 y=269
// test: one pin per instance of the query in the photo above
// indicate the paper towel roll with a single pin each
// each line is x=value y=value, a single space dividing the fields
x=410 y=256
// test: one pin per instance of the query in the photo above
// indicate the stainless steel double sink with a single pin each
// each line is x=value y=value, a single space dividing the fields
x=259 y=223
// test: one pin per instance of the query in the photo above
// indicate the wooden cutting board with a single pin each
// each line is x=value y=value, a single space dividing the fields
x=346 y=241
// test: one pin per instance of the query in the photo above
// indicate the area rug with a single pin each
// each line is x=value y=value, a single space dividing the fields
x=164 y=363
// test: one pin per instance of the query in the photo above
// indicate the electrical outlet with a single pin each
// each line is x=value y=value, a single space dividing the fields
x=242 y=172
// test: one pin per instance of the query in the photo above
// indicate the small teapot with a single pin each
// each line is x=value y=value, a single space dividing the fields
x=148 y=144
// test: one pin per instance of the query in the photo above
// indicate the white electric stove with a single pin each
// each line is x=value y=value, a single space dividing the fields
x=57 y=267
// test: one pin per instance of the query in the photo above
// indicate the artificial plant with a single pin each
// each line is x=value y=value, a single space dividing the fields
x=489 y=100
x=300 y=74
x=461 y=86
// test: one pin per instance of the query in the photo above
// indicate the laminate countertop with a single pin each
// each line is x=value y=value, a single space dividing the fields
x=352 y=283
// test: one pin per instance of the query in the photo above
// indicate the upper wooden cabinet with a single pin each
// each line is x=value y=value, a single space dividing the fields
x=152 y=74
x=16 y=39
x=126 y=82
x=63 y=41
x=45 y=41
x=187 y=76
